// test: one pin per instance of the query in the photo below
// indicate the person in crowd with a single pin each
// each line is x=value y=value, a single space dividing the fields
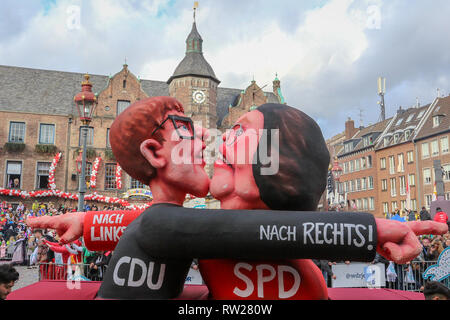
x=88 y=258
x=399 y=284
x=32 y=250
x=447 y=242
x=98 y=266
x=62 y=256
x=411 y=215
x=35 y=206
x=436 y=291
x=20 y=208
x=8 y=277
x=194 y=264
x=380 y=259
x=10 y=229
x=20 y=251
x=11 y=241
x=76 y=257
x=325 y=268
x=45 y=255
x=440 y=216
x=3 y=249
x=16 y=184
x=436 y=249
x=424 y=215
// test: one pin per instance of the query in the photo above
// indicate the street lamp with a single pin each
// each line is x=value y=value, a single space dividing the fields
x=337 y=172
x=86 y=102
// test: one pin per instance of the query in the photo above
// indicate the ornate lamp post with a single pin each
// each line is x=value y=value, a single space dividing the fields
x=86 y=102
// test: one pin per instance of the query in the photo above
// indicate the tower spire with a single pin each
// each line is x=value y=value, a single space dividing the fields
x=195 y=8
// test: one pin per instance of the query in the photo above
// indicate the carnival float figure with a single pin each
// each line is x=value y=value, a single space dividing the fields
x=269 y=179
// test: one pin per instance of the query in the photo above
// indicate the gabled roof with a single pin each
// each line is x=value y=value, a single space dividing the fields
x=42 y=91
x=405 y=120
x=373 y=132
x=441 y=109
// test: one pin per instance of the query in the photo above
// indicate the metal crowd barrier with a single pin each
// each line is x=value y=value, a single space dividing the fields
x=410 y=276
x=9 y=253
x=52 y=271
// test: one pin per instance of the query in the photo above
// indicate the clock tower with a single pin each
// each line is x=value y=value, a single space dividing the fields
x=194 y=83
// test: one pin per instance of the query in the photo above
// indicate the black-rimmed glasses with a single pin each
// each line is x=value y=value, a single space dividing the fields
x=234 y=133
x=183 y=126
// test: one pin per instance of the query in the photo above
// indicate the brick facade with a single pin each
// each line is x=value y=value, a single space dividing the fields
x=359 y=181
x=29 y=157
x=399 y=169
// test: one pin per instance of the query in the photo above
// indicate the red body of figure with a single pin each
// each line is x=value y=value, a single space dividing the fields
x=264 y=280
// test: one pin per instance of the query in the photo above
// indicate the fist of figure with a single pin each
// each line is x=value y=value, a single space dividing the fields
x=69 y=226
x=397 y=241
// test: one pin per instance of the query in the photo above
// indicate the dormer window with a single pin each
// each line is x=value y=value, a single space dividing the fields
x=396 y=138
x=386 y=141
x=365 y=141
x=407 y=134
x=348 y=147
x=436 y=121
x=410 y=118
x=421 y=114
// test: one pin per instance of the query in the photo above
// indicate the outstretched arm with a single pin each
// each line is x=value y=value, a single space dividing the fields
x=90 y=225
x=55 y=247
x=170 y=231
x=176 y=232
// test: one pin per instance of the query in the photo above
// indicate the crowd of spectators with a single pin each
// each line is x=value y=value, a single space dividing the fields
x=19 y=245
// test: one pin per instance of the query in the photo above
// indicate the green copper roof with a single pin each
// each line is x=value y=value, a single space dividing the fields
x=282 y=101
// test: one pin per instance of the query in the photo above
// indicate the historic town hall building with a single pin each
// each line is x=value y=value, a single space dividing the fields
x=38 y=118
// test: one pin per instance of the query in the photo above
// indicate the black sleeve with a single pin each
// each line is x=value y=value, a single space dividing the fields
x=177 y=232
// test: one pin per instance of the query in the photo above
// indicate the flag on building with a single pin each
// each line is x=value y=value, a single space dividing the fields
x=408 y=196
x=434 y=193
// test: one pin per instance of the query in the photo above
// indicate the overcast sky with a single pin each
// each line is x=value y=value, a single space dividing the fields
x=328 y=53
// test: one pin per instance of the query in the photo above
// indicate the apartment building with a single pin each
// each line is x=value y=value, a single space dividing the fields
x=432 y=143
x=358 y=183
x=396 y=155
